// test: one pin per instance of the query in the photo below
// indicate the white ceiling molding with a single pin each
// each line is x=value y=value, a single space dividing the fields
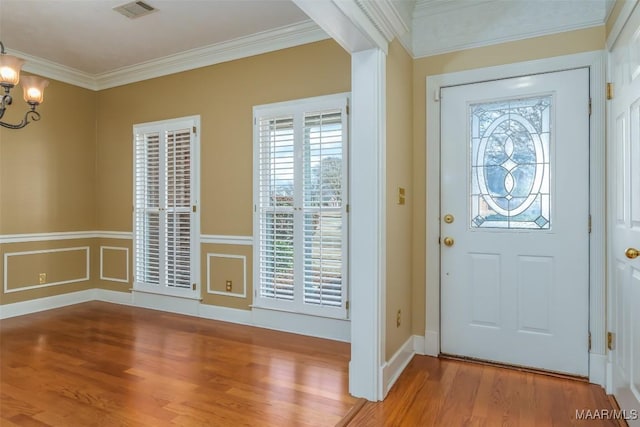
x=447 y=26
x=264 y=42
x=52 y=70
x=255 y=44
x=346 y=22
x=386 y=17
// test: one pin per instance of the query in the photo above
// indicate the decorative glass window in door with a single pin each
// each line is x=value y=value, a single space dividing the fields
x=510 y=168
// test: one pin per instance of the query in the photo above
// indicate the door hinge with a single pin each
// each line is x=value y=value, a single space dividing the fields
x=589 y=341
x=589 y=223
x=193 y=208
x=193 y=286
x=347 y=207
x=611 y=340
x=347 y=108
x=589 y=106
x=347 y=305
x=194 y=129
x=609 y=90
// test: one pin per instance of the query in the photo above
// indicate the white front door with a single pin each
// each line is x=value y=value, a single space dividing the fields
x=624 y=219
x=515 y=221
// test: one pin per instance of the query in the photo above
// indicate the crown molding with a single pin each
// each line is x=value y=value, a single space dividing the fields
x=255 y=44
x=55 y=71
x=386 y=17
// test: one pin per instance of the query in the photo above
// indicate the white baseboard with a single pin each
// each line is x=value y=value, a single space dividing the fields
x=122 y=298
x=432 y=343
x=321 y=327
x=418 y=344
x=391 y=370
x=598 y=369
x=225 y=314
x=47 y=303
x=171 y=304
x=333 y=329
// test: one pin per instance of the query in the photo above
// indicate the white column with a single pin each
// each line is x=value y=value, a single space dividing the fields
x=367 y=259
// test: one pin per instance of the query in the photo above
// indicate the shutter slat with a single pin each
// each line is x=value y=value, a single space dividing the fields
x=276 y=163
x=323 y=222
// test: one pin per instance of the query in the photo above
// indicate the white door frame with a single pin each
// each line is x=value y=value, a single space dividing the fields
x=597 y=205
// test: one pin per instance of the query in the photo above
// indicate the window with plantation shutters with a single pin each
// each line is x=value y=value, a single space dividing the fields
x=300 y=219
x=165 y=207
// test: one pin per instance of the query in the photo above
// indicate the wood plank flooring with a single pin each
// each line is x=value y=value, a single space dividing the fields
x=99 y=364
x=452 y=393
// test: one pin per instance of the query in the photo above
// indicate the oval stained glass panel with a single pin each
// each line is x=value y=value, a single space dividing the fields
x=510 y=164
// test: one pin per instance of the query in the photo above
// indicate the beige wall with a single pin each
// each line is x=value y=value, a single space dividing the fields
x=47 y=180
x=47 y=169
x=223 y=95
x=531 y=49
x=399 y=175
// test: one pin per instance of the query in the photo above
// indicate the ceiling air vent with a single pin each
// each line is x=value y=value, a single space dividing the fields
x=135 y=9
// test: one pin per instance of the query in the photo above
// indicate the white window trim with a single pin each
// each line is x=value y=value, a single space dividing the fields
x=301 y=106
x=172 y=124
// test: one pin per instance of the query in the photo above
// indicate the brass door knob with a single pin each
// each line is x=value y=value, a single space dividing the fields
x=448 y=241
x=632 y=253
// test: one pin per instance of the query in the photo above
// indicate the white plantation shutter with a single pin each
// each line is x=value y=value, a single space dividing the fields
x=178 y=226
x=147 y=212
x=164 y=207
x=300 y=195
x=323 y=208
x=275 y=193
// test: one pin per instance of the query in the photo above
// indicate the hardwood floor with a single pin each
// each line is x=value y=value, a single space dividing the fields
x=451 y=393
x=99 y=364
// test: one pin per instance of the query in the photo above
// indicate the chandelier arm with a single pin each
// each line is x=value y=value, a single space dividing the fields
x=31 y=114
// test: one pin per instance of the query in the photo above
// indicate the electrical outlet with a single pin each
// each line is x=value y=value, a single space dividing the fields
x=229 y=285
x=42 y=278
x=398 y=318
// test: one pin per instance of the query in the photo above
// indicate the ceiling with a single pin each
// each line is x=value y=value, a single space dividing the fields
x=86 y=42
x=89 y=36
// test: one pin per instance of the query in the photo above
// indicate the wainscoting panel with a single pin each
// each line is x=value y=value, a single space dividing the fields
x=114 y=264
x=43 y=268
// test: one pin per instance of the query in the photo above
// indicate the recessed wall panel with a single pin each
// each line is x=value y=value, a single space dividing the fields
x=43 y=268
x=535 y=283
x=226 y=275
x=621 y=317
x=114 y=264
x=485 y=288
x=634 y=167
x=620 y=157
x=635 y=333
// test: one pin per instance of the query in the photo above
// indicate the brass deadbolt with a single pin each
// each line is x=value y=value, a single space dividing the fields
x=448 y=218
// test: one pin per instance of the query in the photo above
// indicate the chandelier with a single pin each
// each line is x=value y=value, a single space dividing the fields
x=32 y=87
